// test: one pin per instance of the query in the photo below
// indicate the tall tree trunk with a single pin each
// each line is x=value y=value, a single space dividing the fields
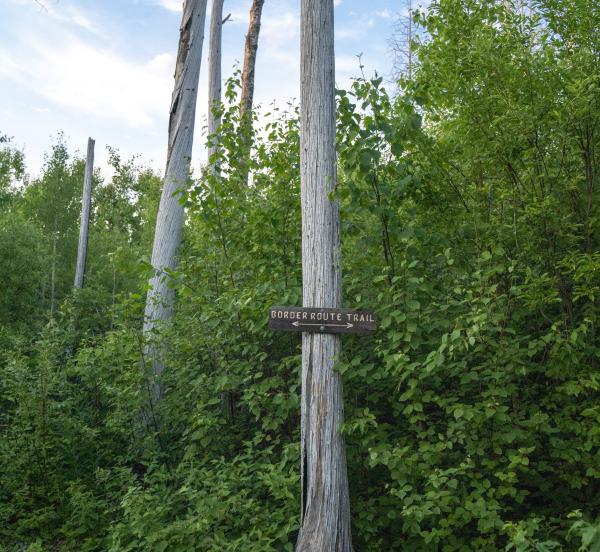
x=214 y=77
x=247 y=98
x=86 y=202
x=250 y=57
x=410 y=40
x=214 y=103
x=53 y=270
x=325 y=498
x=170 y=218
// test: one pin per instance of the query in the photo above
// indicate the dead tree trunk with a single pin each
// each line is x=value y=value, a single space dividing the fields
x=410 y=40
x=247 y=97
x=214 y=120
x=214 y=78
x=325 y=498
x=86 y=202
x=250 y=57
x=53 y=269
x=170 y=218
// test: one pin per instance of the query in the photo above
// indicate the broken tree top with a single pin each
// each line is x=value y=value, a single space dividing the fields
x=311 y=319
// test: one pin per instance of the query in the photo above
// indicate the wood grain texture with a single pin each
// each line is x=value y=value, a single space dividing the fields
x=250 y=49
x=214 y=75
x=325 y=499
x=170 y=218
x=84 y=224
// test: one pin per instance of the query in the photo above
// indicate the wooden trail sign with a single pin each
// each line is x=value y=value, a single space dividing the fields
x=303 y=319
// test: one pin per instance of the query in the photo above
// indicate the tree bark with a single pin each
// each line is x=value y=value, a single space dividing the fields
x=325 y=496
x=170 y=218
x=86 y=202
x=250 y=57
x=53 y=270
x=214 y=77
x=410 y=41
x=214 y=120
x=247 y=97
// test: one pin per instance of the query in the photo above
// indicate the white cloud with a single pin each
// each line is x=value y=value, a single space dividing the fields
x=73 y=15
x=279 y=28
x=343 y=33
x=347 y=64
x=94 y=81
x=8 y=67
x=171 y=5
x=66 y=13
x=280 y=31
x=337 y=2
x=384 y=14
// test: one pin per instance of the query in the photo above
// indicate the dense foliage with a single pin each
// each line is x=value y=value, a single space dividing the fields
x=470 y=225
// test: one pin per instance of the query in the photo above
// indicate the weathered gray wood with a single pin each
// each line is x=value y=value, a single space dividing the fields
x=326 y=506
x=214 y=120
x=170 y=218
x=214 y=76
x=86 y=203
x=251 y=46
x=320 y=320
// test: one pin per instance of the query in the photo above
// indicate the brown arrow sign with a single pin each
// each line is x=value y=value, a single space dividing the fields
x=310 y=319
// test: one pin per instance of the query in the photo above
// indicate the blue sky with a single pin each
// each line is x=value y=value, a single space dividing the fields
x=104 y=68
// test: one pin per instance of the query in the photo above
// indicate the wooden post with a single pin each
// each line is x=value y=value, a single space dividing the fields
x=170 y=218
x=86 y=202
x=325 y=498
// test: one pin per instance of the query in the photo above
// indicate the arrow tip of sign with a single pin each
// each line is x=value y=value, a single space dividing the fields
x=296 y=324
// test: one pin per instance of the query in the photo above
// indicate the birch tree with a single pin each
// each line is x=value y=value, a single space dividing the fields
x=54 y=201
x=86 y=202
x=170 y=218
x=325 y=500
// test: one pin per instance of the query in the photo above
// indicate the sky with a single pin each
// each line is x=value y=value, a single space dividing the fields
x=104 y=68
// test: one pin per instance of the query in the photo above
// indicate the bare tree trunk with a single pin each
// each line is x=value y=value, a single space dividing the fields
x=86 y=202
x=325 y=497
x=170 y=218
x=247 y=98
x=250 y=57
x=113 y=294
x=214 y=103
x=410 y=40
x=214 y=77
x=53 y=270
